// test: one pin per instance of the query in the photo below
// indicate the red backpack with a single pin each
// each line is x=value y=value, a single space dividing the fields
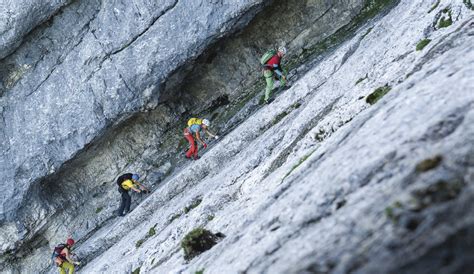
x=57 y=257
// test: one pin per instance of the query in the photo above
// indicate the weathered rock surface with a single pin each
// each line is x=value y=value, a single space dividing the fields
x=89 y=177
x=331 y=185
x=318 y=181
x=17 y=18
x=90 y=67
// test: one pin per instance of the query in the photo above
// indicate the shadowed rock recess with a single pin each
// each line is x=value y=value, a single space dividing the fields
x=365 y=164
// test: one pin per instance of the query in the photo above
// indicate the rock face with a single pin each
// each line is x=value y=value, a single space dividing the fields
x=17 y=18
x=71 y=79
x=319 y=181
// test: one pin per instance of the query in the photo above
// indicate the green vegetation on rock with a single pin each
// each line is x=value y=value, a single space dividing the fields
x=198 y=241
x=366 y=33
x=441 y=191
x=446 y=19
x=193 y=205
x=151 y=231
x=278 y=118
x=429 y=164
x=139 y=243
x=300 y=161
x=175 y=216
x=200 y=271
x=404 y=212
x=434 y=6
x=422 y=44
x=468 y=4
x=377 y=94
x=99 y=209
x=361 y=79
x=136 y=271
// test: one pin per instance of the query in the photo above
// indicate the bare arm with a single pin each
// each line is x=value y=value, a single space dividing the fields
x=198 y=137
x=68 y=256
x=142 y=187
x=210 y=133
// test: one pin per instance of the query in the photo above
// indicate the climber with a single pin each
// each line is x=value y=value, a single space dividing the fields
x=62 y=257
x=126 y=182
x=197 y=127
x=272 y=70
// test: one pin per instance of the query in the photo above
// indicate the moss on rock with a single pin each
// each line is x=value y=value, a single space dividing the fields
x=428 y=164
x=468 y=4
x=434 y=6
x=377 y=94
x=446 y=18
x=361 y=79
x=193 y=205
x=422 y=44
x=198 y=241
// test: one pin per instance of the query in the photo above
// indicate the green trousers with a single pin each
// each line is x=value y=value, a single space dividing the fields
x=66 y=268
x=268 y=74
x=269 y=78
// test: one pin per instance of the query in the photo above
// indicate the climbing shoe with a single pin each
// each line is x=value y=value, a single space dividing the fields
x=197 y=158
x=266 y=102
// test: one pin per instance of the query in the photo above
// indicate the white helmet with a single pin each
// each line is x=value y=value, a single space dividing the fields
x=282 y=49
x=206 y=122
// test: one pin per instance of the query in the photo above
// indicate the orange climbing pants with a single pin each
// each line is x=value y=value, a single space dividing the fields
x=193 y=148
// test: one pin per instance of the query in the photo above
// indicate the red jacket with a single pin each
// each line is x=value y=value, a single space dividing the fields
x=275 y=60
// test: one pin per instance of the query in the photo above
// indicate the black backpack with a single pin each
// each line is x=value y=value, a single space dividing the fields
x=122 y=178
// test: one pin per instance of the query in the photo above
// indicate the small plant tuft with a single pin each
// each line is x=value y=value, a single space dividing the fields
x=301 y=160
x=136 y=271
x=434 y=6
x=366 y=33
x=279 y=117
x=210 y=218
x=151 y=231
x=139 y=243
x=198 y=241
x=446 y=18
x=361 y=79
x=193 y=205
x=468 y=4
x=175 y=216
x=429 y=163
x=98 y=210
x=422 y=44
x=199 y=271
x=377 y=94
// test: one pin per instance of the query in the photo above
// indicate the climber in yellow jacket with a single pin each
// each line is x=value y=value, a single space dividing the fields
x=194 y=131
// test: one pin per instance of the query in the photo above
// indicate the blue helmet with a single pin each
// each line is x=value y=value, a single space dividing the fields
x=135 y=177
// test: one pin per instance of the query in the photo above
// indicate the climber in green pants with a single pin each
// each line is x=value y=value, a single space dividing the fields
x=272 y=69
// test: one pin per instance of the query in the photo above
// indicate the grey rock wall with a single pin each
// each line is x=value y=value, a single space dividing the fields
x=89 y=177
x=18 y=18
x=318 y=181
x=92 y=66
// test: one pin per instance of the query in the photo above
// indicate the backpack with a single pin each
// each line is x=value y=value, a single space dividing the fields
x=267 y=56
x=56 y=256
x=123 y=178
x=194 y=121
